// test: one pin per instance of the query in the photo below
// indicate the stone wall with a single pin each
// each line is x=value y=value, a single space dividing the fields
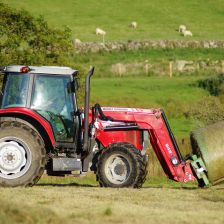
x=82 y=47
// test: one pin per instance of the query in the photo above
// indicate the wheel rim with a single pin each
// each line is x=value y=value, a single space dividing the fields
x=117 y=169
x=15 y=158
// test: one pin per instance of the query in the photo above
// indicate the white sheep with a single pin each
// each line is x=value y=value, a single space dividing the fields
x=182 y=28
x=133 y=25
x=100 y=32
x=187 y=33
x=77 y=41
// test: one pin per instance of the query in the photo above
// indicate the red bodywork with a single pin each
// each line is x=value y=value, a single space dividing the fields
x=144 y=119
x=15 y=112
x=151 y=121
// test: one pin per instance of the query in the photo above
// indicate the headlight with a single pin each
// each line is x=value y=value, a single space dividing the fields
x=174 y=161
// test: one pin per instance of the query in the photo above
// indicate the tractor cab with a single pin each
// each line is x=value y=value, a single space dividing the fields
x=48 y=91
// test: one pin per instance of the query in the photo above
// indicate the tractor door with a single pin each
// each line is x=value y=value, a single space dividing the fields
x=53 y=99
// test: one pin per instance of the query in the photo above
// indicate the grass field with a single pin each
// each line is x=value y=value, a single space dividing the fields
x=104 y=61
x=151 y=55
x=157 y=19
x=71 y=200
x=174 y=95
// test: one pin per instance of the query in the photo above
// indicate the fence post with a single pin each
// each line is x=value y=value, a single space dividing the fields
x=171 y=69
x=146 y=67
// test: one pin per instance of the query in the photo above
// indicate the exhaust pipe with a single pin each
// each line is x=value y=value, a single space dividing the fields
x=86 y=110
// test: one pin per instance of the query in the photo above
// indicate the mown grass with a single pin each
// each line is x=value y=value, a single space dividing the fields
x=89 y=180
x=69 y=200
x=20 y=212
x=157 y=19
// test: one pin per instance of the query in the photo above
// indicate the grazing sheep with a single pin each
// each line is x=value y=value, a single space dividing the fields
x=100 y=32
x=187 y=33
x=134 y=25
x=182 y=28
x=77 y=41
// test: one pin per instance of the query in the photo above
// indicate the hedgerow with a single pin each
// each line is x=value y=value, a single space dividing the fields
x=214 y=85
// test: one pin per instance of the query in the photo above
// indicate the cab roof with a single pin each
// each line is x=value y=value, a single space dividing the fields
x=54 y=70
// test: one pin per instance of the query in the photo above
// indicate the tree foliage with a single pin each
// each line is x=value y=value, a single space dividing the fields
x=28 y=40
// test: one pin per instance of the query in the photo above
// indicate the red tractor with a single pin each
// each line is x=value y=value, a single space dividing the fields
x=41 y=127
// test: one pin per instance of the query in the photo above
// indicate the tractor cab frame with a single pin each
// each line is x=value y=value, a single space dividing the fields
x=49 y=92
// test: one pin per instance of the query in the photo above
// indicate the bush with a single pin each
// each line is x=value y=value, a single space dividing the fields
x=28 y=40
x=214 y=85
x=209 y=110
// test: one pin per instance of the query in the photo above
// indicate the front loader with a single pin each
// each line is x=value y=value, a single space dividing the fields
x=42 y=128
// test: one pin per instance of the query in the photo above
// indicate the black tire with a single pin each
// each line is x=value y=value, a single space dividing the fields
x=132 y=171
x=25 y=140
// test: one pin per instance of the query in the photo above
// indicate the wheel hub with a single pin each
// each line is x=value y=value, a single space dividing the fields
x=10 y=157
x=13 y=159
x=117 y=169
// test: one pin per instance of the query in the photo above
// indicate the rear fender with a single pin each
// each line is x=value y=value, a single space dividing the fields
x=33 y=120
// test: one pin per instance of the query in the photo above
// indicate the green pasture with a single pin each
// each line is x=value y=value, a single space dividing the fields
x=153 y=55
x=157 y=19
x=175 y=95
x=72 y=200
x=103 y=61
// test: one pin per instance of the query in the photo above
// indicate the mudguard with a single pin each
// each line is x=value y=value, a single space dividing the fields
x=31 y=117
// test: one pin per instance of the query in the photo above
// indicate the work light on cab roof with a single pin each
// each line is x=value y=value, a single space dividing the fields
x=24 y=69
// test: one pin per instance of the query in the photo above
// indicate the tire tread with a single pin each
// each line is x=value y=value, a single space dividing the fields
x=140 y=161
x=39 y=171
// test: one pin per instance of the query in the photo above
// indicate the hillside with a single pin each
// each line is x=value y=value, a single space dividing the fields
x=157 y=19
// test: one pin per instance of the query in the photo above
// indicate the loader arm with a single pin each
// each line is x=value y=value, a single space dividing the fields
x=167 y=151
x=161 y=137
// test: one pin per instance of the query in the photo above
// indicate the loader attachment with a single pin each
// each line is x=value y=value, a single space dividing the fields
x=200 y=171
x=208 y=147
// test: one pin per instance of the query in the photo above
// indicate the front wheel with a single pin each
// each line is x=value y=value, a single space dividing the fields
x=121 y=165
x=22 y=155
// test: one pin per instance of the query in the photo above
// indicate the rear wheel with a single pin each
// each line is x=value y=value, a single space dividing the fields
x=22 y=155
x=121 y=165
